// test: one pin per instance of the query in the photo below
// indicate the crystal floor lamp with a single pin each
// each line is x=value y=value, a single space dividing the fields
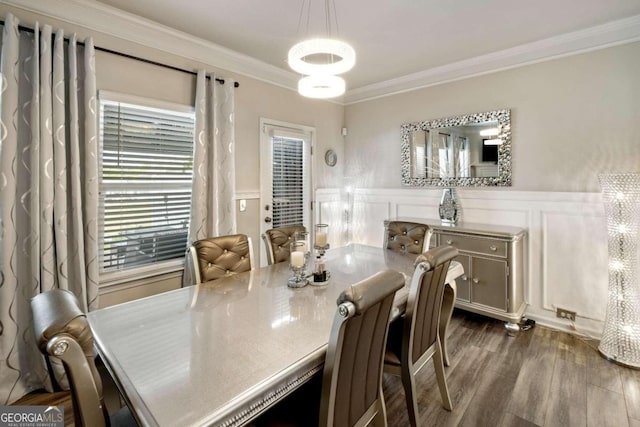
x=621 y=335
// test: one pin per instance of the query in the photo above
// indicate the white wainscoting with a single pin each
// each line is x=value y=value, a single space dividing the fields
x=567 y=239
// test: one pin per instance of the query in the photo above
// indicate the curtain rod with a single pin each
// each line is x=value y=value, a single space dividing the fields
x=126 y=55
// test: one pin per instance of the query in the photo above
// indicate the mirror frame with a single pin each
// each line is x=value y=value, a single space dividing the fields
x=503 y=117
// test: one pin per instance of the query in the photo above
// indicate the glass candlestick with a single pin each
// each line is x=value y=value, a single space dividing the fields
x=303 y=237
x=322 y=233
x=298 y=264
x=320 y=273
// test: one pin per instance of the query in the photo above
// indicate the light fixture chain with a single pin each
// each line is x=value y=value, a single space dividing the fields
x=308 y=16
x=300 y=17
x=335 y=18
x=327 y=18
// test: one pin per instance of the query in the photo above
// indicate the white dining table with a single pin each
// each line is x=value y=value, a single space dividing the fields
x=221 y=352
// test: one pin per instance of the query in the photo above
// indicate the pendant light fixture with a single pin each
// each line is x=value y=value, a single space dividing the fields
x=321 y=59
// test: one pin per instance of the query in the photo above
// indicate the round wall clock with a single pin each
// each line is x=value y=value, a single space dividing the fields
x=330 y=158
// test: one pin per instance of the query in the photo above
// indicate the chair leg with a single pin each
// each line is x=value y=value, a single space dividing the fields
x=409 y=384
x=380 y=419
x=448 y=300
x=440 y=377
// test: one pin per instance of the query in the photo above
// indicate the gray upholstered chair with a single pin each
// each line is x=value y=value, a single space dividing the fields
x=407 y=237
x=413 y=338
x=277 y=241
x=352 y=377
x=62 y=332
x=218 y=257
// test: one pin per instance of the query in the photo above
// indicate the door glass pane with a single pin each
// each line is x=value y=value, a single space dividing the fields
x=288 y=181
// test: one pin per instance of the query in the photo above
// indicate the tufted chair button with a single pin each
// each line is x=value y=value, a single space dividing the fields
x=401 y=246
x=280 y=247
x=242 y=257
x=209 y=265
x=225 y=251
x=228 y=271
x=404 y=233
x=416 y=242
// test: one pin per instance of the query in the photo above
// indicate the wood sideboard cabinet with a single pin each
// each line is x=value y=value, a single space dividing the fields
x=493 y=259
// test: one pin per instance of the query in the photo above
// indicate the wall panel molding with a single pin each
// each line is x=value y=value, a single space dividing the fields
x=566 y=249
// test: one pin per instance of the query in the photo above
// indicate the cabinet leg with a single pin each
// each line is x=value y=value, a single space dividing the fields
x=512 y=328
x=524 y=325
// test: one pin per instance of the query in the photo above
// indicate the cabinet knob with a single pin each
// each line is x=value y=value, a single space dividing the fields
x=475 y=280
x=493 y=248
x=449 y=242
x=465 y=278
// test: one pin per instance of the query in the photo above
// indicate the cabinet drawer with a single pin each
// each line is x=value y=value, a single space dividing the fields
x=473 y=244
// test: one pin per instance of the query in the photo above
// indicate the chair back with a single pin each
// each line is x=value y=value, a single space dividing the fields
x=407 y=237
x=352 y=378
x=277 y=241
x=218 y=257
x=420 y=331
x=62 y=332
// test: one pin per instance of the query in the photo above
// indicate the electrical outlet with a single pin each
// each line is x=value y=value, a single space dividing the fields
x=566 y=314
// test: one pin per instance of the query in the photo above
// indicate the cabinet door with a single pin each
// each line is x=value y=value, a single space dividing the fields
x=489 y=282
x=463 y=282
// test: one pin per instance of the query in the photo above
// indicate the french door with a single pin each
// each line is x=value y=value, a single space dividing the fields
x=285 y=176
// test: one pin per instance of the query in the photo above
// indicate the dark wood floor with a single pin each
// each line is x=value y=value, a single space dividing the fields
x=539 y=378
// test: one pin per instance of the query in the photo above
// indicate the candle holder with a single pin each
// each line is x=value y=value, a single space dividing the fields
x=320 y=274
x=320 y=242
x=303 y=237
x=298 y=264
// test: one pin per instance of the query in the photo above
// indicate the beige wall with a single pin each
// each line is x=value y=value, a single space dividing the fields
x=572 y=118
x=254 y=99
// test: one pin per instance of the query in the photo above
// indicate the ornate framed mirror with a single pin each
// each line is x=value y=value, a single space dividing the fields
x=472 y=150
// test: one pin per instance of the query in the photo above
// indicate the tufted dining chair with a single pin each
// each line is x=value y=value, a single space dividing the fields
x=407 y=237
x=413 y=338
x=218 y=257
x=352 y=377
x=277 y=241
x=62 y=332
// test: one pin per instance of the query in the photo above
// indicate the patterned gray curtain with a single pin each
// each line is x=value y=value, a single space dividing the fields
x=213 y=209
x=48 y=189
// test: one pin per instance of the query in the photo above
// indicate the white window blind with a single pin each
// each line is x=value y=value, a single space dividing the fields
x=288 y=181
x=145 y=184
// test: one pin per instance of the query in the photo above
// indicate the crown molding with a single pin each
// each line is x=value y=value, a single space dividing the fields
x=614 y=33
x=101 y=18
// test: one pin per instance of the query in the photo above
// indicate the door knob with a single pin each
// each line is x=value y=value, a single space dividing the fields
x=475 y=280
x=267 y=219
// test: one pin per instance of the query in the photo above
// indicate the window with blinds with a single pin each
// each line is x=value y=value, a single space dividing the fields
x=288 y=181
x=145 y=184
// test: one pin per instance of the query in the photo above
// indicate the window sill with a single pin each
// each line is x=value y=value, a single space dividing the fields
x=118 y=278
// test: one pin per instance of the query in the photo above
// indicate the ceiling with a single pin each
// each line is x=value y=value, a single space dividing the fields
x=392 y=38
